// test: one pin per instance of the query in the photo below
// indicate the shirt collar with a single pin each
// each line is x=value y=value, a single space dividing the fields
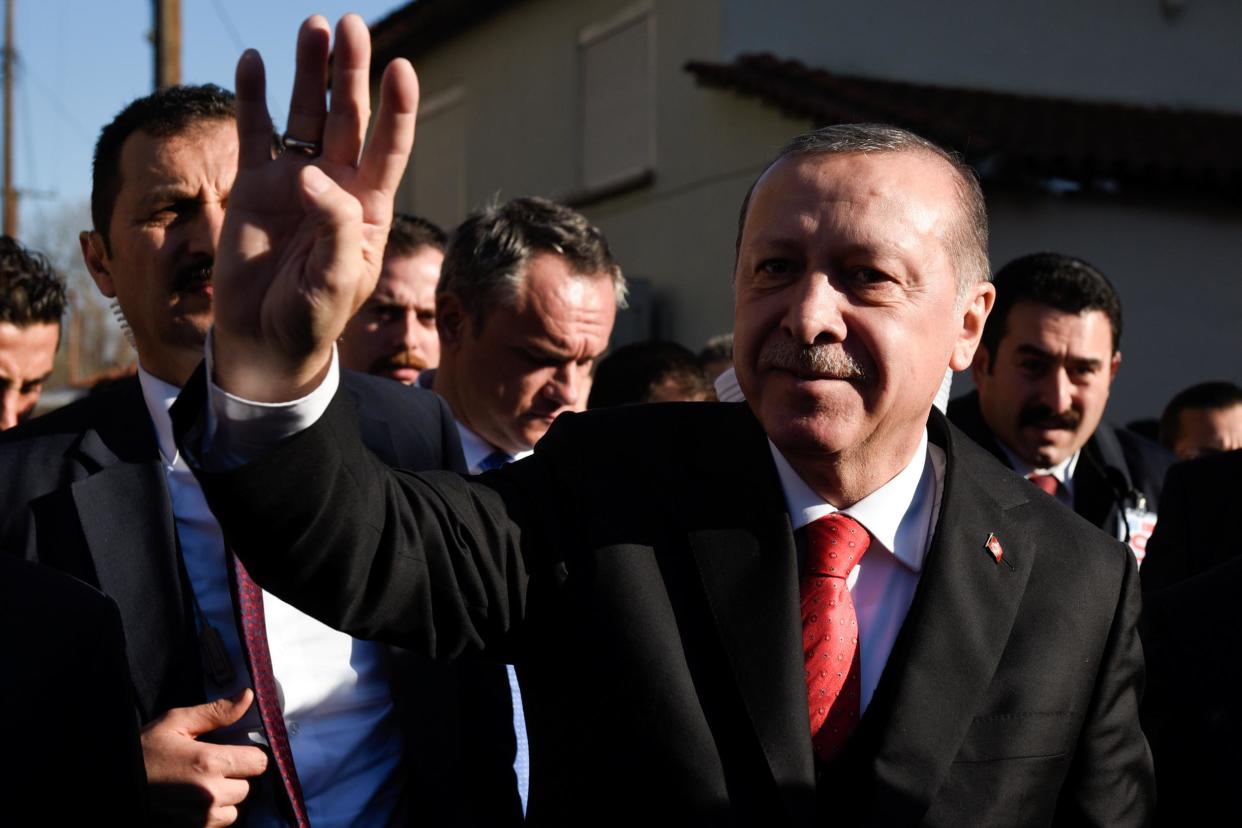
x=159 y=397
x=898 y=515
x=476 y=449
x=1063 y=471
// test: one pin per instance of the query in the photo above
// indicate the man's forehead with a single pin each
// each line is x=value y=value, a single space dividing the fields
x=208 y=146
x=910 y=189
x=1085 y=334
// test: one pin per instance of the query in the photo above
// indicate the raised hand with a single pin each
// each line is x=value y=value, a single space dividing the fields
x=303 y=236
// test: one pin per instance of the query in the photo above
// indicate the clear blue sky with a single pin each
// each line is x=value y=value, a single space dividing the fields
x=80 y=61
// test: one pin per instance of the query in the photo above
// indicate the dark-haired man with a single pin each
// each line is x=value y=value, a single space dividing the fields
x=32 y=300
x=356 y=733
x=1045 y=364
x=394 y=333
x=526 y=302
x=980 y=665
x=1203 y=419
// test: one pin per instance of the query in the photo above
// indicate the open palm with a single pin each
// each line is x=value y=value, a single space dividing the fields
x=303 y=237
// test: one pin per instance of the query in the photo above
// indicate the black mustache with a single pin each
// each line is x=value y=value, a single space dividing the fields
x=192 y=274
x=816 y=360
x=1044 y=417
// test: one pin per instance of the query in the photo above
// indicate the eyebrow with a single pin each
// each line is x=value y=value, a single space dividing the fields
x=1032 y=350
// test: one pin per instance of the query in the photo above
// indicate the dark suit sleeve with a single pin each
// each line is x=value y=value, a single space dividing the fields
x=1109 y=782
x=432 y=562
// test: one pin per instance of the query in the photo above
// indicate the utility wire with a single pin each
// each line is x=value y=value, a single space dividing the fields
x=223 y=14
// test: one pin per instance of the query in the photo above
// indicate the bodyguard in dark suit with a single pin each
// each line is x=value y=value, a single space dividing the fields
x=642 y=567
x=1198 y=527
x=1045 y=364
x=98 y=490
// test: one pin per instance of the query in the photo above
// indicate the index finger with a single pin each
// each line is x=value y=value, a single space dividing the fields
x=239 y=761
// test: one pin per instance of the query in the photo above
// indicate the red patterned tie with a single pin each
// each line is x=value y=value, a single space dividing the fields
x=834 y=545
x=1047 y=482
x=249 y=605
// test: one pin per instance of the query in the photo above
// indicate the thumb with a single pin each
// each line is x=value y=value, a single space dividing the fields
x=337 y=217
x=204 y=718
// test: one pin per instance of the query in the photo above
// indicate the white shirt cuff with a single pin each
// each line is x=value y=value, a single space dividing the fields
x=241 y=430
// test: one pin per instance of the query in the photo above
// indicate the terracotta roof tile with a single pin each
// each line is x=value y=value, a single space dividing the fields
x=1009 y=137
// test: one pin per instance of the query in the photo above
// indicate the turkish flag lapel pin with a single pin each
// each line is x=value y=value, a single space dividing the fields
x=993 y=545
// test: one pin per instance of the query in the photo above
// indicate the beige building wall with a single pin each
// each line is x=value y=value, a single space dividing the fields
x=503 y=116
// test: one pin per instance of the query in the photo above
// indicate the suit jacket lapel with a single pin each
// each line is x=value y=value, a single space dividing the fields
x=748 y=566
x=952 y=638
x=126 y=517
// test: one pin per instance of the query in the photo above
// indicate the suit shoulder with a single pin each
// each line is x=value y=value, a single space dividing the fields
x=659 y=423
x=1063 y=537
x=1147 y=461
x=78 y=416
x=376 y=393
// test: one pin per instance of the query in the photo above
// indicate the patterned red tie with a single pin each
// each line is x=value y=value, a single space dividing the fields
x=834 y=546
x=249 y=606
x=1047 y=482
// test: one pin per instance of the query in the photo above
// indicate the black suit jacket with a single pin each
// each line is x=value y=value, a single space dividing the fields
x=69 y=729
x=641 y=570
x=1198 y=526
x=1118 y=468
x=83 y=490
x=1192 y=636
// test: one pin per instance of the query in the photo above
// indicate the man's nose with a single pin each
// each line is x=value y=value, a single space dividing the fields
x=409 y=329
x=1059 y=390
x=11 y=408
x=814 y=310
x=568 y=384
x=205 y=233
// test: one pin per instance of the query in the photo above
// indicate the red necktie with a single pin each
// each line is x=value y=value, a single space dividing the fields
x=1047 y=482
x=834 y=545
x=249 y=605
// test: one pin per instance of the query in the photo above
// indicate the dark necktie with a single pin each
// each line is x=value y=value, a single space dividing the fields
x=250 y=617
x=495 y=460
x=1047 y=482
x=834 y=546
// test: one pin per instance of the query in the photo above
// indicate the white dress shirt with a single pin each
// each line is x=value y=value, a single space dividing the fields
x=335 y=694
x=901 y=517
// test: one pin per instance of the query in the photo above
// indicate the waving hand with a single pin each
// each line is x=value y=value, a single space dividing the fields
x=304 y=232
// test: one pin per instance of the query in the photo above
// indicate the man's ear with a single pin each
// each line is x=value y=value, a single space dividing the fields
x=96 y=259
x=975 y=307
x=1113 y=365
x=451 y=320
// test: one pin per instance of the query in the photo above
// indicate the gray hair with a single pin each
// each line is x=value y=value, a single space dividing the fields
x=968 y=239
x=485 y=263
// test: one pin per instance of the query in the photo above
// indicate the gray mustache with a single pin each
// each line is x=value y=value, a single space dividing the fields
x=821 y=360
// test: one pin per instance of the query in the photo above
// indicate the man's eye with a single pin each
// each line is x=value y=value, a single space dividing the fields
x=1033 y=368
x=869 y=276
x=776 y=267
x=32 y=387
